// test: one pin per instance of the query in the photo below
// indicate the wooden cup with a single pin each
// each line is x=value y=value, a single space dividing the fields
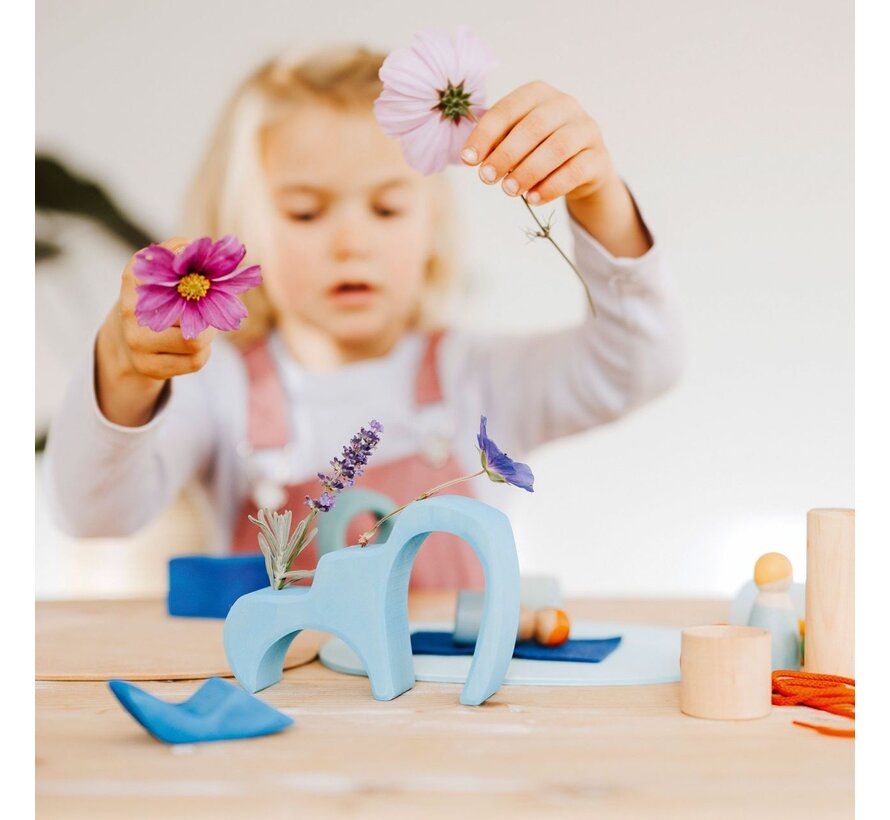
x=726 y=672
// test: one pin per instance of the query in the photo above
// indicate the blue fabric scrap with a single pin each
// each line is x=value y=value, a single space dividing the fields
x=217 y=711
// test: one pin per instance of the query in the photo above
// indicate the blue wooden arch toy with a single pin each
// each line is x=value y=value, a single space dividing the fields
x=360 y=594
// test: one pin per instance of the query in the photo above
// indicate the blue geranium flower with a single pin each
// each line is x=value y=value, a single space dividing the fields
x=499 y=466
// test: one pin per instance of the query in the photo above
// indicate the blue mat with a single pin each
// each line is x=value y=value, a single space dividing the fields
x=590 y=650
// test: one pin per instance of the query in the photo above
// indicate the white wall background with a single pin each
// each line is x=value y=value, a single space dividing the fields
x=733 y=124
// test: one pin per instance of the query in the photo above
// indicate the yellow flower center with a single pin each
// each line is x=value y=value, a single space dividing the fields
x=193 y=286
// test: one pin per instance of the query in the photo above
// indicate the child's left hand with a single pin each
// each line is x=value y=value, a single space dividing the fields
x=540 y=142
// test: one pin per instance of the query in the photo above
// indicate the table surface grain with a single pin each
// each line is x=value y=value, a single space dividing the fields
x=528 y=752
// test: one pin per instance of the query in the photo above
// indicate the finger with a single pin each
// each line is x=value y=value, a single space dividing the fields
x=587 y=166
x=524 y=137
x=145 y=340
x=555 y=151
x=176 y=244
x=168 y=365
x=496 y=123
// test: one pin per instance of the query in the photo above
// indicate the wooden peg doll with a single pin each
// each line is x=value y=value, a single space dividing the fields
x=774 y=611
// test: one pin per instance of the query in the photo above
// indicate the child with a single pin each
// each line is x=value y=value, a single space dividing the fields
x=354 y=248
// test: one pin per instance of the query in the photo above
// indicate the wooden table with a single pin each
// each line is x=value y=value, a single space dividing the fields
x=528 y=752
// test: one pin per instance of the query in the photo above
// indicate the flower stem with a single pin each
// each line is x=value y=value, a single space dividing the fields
x=544 y=233
x=366 y=536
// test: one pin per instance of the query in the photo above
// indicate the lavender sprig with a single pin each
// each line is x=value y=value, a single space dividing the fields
x=346 y=469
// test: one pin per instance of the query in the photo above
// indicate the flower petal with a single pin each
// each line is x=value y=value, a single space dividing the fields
x=523 y=477
x=397 y=114
x=406 y=73
x=240 y=280
x=163 y=316
x=221 y=310
x=154 y=265
x=426 y=147
x=152 y=297
x=191 y=321
x=474 y=58
x=436 y=50
x=458 y=135
x=193 y=257
x=225 y=255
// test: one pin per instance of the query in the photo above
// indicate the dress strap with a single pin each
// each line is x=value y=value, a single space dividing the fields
x=267 y=424
x=427 y=387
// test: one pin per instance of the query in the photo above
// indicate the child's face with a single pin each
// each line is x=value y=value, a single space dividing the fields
x=352 y=228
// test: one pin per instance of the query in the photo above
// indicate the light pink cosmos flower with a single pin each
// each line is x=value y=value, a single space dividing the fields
x=433 y=94
x=195 y=287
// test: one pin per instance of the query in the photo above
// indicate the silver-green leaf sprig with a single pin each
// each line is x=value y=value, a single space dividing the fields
x=280 y=547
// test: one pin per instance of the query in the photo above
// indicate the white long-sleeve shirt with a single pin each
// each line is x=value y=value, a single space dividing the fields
x=108 y=480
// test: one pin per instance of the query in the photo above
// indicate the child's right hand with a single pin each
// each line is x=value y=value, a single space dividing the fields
x=133 y=363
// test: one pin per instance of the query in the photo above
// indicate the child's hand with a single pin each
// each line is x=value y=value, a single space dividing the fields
x=544 y=145
x=134 y=362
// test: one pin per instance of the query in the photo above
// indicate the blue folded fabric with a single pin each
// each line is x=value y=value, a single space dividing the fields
x=217 y=711
x=582 y=650
x=206 y=586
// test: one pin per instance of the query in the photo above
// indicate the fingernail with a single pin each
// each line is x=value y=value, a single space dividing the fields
x=534 y=197
x=488 y=173
x=469 y=155
x=511 y=186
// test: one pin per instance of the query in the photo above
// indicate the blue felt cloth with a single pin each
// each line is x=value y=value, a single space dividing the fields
x=589 y=650
x=217 y=711
x=206 y=586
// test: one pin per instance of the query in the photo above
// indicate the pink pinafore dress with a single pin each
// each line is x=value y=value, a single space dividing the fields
x=444 y=561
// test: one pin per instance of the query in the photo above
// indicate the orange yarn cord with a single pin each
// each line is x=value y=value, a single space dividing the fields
x=830 y=693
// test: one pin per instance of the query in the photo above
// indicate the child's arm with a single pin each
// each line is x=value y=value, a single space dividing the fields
x=118 y=452
x=537 y=388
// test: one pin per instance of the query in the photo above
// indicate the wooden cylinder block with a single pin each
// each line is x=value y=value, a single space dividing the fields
x=726 y=672
x=828 y=647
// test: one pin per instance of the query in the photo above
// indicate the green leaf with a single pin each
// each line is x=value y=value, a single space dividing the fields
x=267 y=556
x=298 y=534
x=298 y=574
x=58 y=188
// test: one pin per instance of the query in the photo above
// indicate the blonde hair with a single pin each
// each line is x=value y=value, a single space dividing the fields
x=229 y=193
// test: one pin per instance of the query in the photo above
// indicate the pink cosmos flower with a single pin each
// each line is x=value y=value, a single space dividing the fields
x=433 y=94
x=195 y=287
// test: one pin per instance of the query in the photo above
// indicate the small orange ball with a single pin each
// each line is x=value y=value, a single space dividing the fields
x=526 y=624
x=552 y=627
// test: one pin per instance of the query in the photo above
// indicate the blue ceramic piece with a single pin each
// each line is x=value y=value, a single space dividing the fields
x=576 y=650
x=361 y=595
x=333 y=525
x=206 y=586
x=781 y=623
x=217 y=711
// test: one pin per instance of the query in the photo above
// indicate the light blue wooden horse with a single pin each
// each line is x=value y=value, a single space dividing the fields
x=333 y=525
x=360 y=594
